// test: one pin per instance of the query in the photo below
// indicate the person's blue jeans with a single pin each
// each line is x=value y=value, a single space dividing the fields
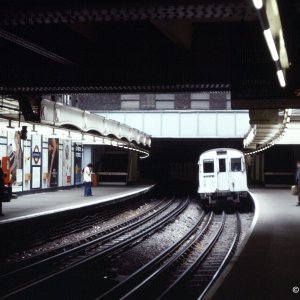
x=87 y=189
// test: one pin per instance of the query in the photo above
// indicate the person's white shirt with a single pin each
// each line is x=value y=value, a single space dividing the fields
x=87 y=174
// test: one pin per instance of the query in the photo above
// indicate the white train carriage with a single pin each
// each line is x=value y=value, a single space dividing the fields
x=222 y=175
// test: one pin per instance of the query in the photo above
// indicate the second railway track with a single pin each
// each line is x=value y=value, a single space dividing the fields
x=188 y=268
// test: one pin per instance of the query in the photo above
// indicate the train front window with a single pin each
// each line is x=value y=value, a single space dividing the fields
x=236 y=164
x=222 y=165
x=208 y=166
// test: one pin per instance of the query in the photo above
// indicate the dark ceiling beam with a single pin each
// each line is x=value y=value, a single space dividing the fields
x=51 y=89
x=35 y=48
x=178 y=31
x=86 y=30
x=132 y=11
x=265 y=103
x=30 y=106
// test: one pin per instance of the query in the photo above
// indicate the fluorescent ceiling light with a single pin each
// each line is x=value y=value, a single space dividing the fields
x=275 y=7
x=271 y=44
x=258 y=4
x=281 y=78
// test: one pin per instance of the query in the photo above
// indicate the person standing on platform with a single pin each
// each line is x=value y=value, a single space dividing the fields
x=87 y=180
x=298 y=181
x=1 y=188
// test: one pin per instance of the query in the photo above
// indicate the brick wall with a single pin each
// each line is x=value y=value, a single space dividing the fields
x=99 y=101
x=182 y=101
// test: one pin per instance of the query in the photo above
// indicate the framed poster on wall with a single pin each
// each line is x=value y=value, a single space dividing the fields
x=67 y=162
x=77 y=163
x=15 y=153
x=44 y=162
x=53 y=148
x=3 y=142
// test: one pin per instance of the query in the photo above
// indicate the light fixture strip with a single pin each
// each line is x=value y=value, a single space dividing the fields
x=271 y=44
x=258 y=4
x=281 y=78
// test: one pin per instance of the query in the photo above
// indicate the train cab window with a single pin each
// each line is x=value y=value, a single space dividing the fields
x=236 y=164
x=208 y=166
x=222 y=165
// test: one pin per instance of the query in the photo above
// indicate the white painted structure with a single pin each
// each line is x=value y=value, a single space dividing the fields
x=186 y=123
x=263 y=136
x=222 y=173
x=58 y=115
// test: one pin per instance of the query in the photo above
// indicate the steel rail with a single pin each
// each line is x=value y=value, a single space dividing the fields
x=101 y=254
x=155 y=275
x=229 y=254
x=74 y=246
x=182 y=278
x=7 y=278
x=64 y=225
x=117 y=291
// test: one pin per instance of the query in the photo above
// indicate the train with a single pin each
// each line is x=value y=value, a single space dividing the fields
x=222 y=176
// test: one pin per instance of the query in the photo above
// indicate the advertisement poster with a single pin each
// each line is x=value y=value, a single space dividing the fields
x=27 y=176
x=45 y=162
x=15 y=153
x=53 y=148
x=77 y=163
x=67 y=162
x=36 y=160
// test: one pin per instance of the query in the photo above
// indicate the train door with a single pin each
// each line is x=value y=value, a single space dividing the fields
x=238 y=174
x=208 y=179
x=223 y=180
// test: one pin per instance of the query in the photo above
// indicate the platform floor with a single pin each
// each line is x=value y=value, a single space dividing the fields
x=34 y=205
x=268 y=267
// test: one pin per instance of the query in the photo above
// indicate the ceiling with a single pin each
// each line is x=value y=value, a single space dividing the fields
x=71 y=46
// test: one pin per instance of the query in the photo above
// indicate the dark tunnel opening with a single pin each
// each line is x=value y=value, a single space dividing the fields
x=173 y=163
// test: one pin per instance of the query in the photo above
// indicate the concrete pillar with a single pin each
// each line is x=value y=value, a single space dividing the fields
x=133 y=167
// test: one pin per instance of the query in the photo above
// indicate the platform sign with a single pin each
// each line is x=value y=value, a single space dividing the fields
x=53 y=148
x=36 y=160
x=36 y=150
x=67 y=163
x=77 y=163
x=15 y=153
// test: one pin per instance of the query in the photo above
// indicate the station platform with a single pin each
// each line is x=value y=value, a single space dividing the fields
x=268 y=266
x=46 y=203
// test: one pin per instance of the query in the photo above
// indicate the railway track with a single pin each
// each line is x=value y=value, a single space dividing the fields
x=18 y=282
x=187 y=269
x=105 y=233
x=39 y=232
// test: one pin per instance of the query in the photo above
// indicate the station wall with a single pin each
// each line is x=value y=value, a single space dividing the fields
x=40 y=161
